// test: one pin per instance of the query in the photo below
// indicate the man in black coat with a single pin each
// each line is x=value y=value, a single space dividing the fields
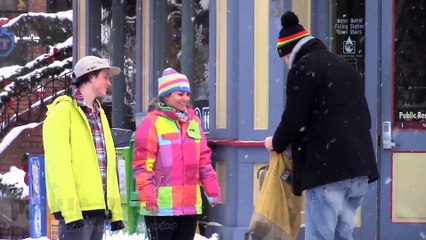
x=327 y=123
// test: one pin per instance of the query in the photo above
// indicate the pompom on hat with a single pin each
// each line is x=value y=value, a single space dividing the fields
x=290 y=33
x=172 y=81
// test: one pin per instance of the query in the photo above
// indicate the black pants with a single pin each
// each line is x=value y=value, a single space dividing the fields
x=93 y=229
x=171 y=227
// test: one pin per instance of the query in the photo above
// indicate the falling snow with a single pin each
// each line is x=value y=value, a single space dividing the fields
x=199 y=36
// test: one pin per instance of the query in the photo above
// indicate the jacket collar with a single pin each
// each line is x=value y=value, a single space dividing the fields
x=170 y=113
x=298 y=46
x=314 y=44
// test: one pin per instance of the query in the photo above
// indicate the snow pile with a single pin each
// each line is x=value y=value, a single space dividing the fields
x=13 y=134
x=15 y=178
x=64 y=15
x=122 y=236
x=6 y=72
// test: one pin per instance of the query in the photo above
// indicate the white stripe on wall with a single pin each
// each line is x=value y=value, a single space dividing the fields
x=261 y=65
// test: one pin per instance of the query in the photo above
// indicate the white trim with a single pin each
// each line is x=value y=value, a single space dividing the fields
x=297 y=48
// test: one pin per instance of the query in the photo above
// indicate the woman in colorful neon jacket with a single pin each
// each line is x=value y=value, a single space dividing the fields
x=171 y=161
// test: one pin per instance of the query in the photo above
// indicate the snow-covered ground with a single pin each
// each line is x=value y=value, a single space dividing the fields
x=16 y=177
x=121 y=236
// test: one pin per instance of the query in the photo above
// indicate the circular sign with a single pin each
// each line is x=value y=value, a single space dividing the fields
x=7 y=42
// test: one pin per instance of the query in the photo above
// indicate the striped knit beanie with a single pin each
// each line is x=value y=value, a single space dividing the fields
x=290 y=34
x=172 y=81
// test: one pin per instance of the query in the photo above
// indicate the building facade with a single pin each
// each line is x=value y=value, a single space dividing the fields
x=228 y=51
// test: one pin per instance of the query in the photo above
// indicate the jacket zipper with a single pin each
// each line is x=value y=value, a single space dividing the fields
x=182 y=135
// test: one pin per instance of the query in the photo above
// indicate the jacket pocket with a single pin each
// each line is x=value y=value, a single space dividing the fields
x=194 y=134
x=194 y=130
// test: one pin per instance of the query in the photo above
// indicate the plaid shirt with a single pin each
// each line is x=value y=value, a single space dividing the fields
x=94 y=119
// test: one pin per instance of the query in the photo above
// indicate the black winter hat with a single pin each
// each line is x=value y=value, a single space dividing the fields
x=290 y=34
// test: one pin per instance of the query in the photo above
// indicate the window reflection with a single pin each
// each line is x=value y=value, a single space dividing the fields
x=409 y=64
x=13 y=6
x=201 y=53
x=172 y=37
x=173 y=44
x=106 y=51
x=32 y=38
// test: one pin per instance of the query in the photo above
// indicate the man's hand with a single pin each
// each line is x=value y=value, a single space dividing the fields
x=268 y=143
x=117 y=225
x=215 y=203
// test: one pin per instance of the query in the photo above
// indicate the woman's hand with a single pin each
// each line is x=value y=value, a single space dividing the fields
x=153 y=209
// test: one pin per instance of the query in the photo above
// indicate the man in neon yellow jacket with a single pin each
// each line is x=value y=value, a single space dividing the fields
x=81 y=180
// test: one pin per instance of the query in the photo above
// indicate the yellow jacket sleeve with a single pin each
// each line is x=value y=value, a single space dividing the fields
x=61 y=190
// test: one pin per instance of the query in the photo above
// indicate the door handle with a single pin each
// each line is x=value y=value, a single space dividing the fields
x=388 y=144
x=387 y=135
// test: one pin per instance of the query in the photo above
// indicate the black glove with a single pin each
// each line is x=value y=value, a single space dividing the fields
x=117 y=225
x=75 y=225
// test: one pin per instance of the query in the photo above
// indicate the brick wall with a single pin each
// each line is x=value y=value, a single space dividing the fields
x=28 y=141
x=37 y=5
x=21 y=105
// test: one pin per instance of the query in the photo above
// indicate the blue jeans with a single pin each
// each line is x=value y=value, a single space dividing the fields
x=331 y=208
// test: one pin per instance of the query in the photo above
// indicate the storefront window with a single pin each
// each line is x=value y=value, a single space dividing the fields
x=173 y=45
x=172 y=38
x=58 y=5
x=10 y=6
x=24 y=40
x=14 y=49
x=181 y=41
x=106 y=51
x=201 y=52
x=409 y=65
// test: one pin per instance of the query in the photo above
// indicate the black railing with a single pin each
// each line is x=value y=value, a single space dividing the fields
x=30 y=105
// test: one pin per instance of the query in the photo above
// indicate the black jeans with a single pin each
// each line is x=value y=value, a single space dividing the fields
x=171 y=227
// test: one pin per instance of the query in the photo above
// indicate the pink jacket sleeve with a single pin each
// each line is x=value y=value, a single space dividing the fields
x=144 y=157
x=207 y=173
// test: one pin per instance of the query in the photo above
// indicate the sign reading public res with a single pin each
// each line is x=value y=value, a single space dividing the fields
x=409 y=76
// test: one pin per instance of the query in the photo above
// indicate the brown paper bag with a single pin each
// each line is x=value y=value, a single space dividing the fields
x=278 y=212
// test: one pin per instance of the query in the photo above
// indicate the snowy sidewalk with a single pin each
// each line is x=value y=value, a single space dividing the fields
x=122 y=236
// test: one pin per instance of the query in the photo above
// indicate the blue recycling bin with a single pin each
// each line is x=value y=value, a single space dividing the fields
x=37 y=193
